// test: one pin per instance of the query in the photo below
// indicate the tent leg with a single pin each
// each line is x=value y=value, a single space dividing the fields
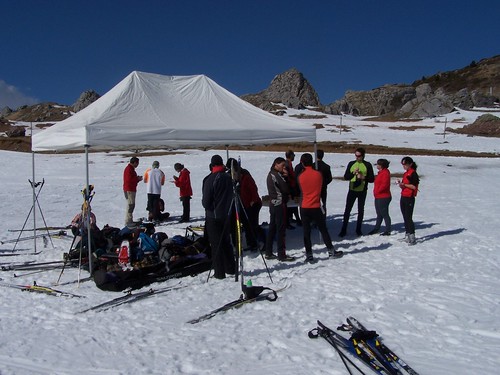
x=87 y=198
x=34 y=193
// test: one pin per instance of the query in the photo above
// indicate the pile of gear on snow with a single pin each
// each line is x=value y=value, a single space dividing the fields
x=132 y=258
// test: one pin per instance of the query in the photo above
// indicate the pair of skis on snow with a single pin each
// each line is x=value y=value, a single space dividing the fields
x=40 y=289
x=363 y=345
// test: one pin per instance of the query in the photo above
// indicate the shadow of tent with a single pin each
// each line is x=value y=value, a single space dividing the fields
x=450 y=232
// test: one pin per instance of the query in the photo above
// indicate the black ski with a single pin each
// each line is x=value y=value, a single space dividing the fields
x=376 y=344
x=269 y=295
x=33 y=266
x=40 y=289
x=130 y=297
x=41 y=235
x=74 y=281
x=344 y=345
x=16 y=254
x=38 y=229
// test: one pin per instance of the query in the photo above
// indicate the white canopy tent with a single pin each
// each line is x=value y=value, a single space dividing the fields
x=148 y=110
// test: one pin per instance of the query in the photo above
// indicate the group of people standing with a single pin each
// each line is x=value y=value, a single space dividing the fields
x=154 y=178
x=359 y=173
x=230 y=195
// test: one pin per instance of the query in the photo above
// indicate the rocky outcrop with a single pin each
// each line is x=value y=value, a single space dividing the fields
x=5 y=111
x=290 y=89
x=85 y=99
x=486 y=125
x=43 y=112
x=466 y=88
x=377 y=102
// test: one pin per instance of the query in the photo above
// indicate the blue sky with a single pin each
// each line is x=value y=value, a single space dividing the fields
x=55 y=50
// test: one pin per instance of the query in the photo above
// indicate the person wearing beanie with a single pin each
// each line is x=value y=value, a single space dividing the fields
x=130 y=181
x=183 y=182
x=217 y=194
x=155 y=179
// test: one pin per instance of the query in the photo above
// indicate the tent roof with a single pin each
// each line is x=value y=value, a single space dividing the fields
x=151 y=110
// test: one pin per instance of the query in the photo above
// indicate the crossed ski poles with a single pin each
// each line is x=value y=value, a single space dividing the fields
x=34 y=186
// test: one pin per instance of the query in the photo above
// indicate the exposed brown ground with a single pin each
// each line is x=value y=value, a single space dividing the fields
x=478 y=128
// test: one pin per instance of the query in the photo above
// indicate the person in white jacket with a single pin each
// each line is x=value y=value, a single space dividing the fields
x=155 y=179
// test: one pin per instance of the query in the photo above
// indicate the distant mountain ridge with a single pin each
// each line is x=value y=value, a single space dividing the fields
x=476 y=85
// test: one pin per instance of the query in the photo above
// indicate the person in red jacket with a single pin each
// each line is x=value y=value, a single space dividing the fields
x=130 y=181
x=250 y=200
x=382 y=194
x=310 y=183
x=183 y=182
x=409 y=189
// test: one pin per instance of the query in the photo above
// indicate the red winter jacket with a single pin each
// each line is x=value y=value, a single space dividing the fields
x=382 y=184
x=184 y=183
x=130 y=178
x=310 y=182
x=249 y=192
x=410 y=177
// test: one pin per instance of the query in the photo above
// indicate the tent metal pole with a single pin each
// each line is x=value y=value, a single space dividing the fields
x=87 y=198
x=33 y=191
x=316 y=155
x=227 y=152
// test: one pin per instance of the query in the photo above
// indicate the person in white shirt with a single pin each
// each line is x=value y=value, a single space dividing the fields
x=155 y=179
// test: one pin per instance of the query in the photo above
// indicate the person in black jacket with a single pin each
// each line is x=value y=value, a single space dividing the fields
x=326 y=172
x=359 y=173
x=217 y=199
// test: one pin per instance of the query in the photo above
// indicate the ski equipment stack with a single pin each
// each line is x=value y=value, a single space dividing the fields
x=363 y=345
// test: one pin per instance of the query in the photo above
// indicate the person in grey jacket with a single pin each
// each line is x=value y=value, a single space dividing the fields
x=278 y=190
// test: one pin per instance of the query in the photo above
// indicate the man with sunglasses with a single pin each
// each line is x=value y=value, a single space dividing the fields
x=359 y=173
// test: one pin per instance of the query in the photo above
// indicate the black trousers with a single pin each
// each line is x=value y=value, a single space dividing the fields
x=351 y=198
x=314 y=215
x=153 y=206
x=186 y=208
x=277 y=227
x=407 y=204
x=223 y=261
x=250 y=222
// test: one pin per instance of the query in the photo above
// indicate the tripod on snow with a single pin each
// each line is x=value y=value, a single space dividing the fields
x=36 y=194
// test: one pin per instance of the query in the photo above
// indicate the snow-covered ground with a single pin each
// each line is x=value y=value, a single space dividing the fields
x=437 y=304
